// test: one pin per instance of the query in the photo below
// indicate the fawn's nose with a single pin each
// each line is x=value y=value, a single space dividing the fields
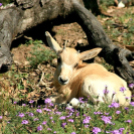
x=63 y=81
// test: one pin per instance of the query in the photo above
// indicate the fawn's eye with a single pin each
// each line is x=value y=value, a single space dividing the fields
x=75 y=65
x=59 y=60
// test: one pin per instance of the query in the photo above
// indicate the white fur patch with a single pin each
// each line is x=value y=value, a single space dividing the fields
x=64 y=65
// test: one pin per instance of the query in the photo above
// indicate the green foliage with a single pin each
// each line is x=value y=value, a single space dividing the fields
x=106 y=2
x=40 y=54
x=5 y=2
x=121 y=29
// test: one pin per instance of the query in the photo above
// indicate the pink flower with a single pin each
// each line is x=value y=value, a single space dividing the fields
x=96 y=130
x=31 y=101
x=24 y=122
x=44 y=122
x=62 y=117
x=118 y=112
x=105 y=91
x=63 y=124
x=70 y=120
x=106 y=119
x=47 y=100
x=31 y=114
x=39 y=110
x=86 y=120
x=122 y=89
x=129 y=121
x=114 y=104
x=21 y=115
x=39 y=128
x=132 y=104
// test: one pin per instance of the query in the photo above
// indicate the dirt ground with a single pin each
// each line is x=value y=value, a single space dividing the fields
x=39 y=80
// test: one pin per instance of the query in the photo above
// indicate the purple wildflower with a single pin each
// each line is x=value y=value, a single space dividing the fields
x=55 y=132
x=63 y=124
x=98 y=112
x=24 y=122
x=51 y=118
x=39 y=128
x=114 y=104
x=105 y=91
x=86 y=126
x=1 y=117
x=31 y=101
x=77 y=114
x=81 y=100
x=46 y=109
x=14 y=102
x=131 y=85
x=70 y=120
x=115 y=132
x=47 y=100
x=96 y=130
x=0 y=4
x=70 y=109
x=106 y=119
x=62 y=117
x=31 y=114
x=126 y=108
x=53 y=121
x=44 y=122
x=49 y=129
x=23 y=105
x=39 y=110
x=36 y=119
x=73 y=133
x=86 y=120
x=129 y=121
x=21 y=115
x=121 y=129
x=118 y=112
x=51 y=104
x=106 y=113
x=122 y=89
x=58 y=113
x=70 y=114
x=88 y=117
x=132 y=103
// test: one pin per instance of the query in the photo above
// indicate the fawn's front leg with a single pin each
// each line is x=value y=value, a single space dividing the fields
x=58 y=99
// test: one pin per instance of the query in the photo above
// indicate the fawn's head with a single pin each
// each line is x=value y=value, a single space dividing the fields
x=68 y=59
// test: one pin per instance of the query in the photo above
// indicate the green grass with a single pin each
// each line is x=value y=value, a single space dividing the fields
x=105 y=3
x=39 y=55
x=121 y=29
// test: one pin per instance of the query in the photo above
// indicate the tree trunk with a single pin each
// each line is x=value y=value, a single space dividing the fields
x=26 y=14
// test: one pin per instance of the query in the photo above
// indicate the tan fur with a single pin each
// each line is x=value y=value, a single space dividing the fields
x=86 y=80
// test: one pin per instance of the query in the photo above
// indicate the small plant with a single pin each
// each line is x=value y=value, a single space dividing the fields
x=40 y=54
x=5 y=2
x=105 y=3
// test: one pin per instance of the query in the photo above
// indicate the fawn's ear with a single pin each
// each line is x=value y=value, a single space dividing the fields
x=52 y=42
x=87 y=55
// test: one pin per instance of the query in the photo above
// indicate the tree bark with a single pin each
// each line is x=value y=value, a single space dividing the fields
x=26 y=14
